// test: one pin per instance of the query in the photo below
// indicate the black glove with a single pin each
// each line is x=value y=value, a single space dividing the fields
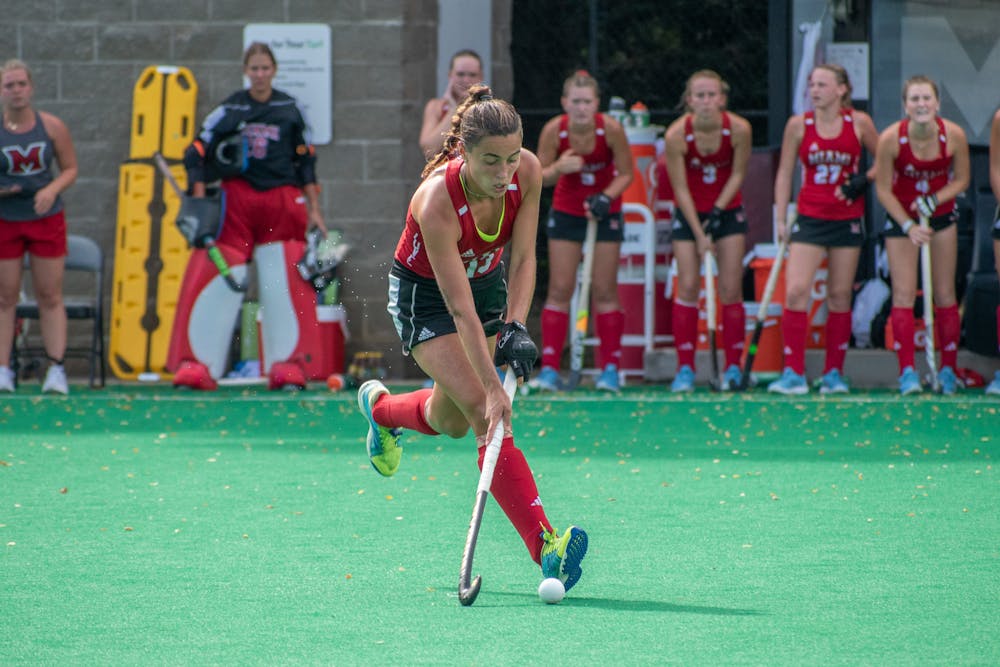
x=713 y=223
x=854 y=186
x=926 y=205
x=600 y=206
x=515 y=349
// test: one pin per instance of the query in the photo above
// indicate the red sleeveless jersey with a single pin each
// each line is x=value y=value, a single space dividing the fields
x=707 y=174
x=826 y=164
x=913 y=177
x=480 y=254
x=598 y=170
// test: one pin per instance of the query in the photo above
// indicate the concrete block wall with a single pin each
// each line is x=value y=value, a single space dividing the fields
x=87 y=54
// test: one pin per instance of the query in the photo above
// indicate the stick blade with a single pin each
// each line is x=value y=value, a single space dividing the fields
x=467 y=593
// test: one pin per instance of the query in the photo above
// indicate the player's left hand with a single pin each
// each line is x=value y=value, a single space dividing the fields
x=516 y=349
x=853 y=187
x=44 y=199
x=713 y=223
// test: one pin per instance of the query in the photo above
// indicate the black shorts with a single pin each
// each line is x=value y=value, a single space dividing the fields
x=566 y=227
x=734 y=221
x=996 y=226
x=419 y=312
x=828 y=233
x=893 y=229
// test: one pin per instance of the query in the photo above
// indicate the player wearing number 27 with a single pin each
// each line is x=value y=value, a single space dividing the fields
x=921 y=165
x=449 y=299
x=827 y=141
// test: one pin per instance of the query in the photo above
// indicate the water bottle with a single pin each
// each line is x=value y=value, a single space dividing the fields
x=640 y=115
x=616 y=109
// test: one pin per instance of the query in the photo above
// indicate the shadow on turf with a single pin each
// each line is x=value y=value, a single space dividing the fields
x=635 y=605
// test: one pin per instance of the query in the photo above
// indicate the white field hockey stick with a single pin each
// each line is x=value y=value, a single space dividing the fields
x=765 y=301
x=709 y=270
x=926 y=277
x=582 y=304
x=468 y=588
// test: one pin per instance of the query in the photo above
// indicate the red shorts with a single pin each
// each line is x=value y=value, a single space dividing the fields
x=255 y=217
x=42 y=237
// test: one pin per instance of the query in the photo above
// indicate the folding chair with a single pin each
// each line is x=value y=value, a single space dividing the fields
x=84 y=256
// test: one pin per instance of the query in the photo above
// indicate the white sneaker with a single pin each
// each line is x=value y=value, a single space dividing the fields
x=55 y=381
x=6 y=379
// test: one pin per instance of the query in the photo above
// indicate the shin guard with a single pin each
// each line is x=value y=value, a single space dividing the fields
x=207 y=309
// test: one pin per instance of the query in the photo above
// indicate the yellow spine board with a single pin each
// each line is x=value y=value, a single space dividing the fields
x=150 y=253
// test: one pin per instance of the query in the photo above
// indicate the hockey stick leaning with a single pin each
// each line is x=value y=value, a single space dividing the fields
x=765 y=301
x=582 y=305
x=928 y=291
x=468 y=588
x=709 y=270
x=213 y=251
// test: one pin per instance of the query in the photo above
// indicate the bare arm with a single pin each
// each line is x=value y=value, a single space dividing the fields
x=864 y=127
x=742 y=144
x=523 y=268
x=554 y=164
x=622 y=152
x=790 y=142
x=65 y=155
x=435 y=125
x=960 y=170
x=675 y=150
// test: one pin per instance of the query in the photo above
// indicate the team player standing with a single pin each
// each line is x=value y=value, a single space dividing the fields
x=827 y=142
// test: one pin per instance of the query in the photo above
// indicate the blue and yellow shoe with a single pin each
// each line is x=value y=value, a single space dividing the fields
x=384 y=450
x=561 y=556
x=909 y=382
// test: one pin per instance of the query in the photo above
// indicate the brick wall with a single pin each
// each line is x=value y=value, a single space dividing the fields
x=87 y=54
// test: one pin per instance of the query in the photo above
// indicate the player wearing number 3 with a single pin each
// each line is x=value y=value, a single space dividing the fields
x=921 y=165
x=449 y=299
x=827 y=141
x=707 y=152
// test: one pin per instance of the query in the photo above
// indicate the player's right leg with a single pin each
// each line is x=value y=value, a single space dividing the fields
x=207 y=308
x=685 y=312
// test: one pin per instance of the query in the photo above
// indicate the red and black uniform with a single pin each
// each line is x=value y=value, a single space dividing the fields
x=419 y=313
x=912 y=178
x=568 y=221
x=415 y=301
x=708 y=174
x=26 y=163
x=598 y=170
x=826 y=221
x=826 y=165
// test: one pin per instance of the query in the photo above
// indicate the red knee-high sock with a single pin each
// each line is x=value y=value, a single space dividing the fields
x=685 y=324
x=947 y=330
x=404 y=411
x=516 y=493
x=838 y=337
x=902 y=332
x=794 y=330
x=555 y=325
x=609 y=328
x=734 y=324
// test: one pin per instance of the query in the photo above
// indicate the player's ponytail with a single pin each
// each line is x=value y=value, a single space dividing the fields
x=480 y=115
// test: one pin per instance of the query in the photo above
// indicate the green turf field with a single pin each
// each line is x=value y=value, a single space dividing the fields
x=143 y=526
